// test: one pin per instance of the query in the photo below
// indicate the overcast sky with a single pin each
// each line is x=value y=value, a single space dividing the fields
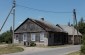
x=23 y=11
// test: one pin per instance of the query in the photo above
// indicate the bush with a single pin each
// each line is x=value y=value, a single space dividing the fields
x=32 y=44
x=83 y=44
x=6 y=37
x=83 y=49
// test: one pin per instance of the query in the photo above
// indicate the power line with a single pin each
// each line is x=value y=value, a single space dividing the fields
x=41 y=10
x=6 y=19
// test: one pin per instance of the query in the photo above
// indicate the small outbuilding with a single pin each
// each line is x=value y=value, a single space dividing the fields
x=71 y=31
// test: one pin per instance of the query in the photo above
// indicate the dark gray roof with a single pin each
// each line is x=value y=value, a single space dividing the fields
x=49 y=26
x=44 y=24
x=69 y=29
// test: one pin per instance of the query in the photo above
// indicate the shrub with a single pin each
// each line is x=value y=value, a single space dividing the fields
x=83 y=44
x=83 y=49
x=32 y=44
x=6 y=37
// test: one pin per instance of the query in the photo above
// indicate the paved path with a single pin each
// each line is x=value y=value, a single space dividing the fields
x=49 y=51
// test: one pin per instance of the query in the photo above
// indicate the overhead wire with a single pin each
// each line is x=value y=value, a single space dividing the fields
x=46 y=11
x=6 y=19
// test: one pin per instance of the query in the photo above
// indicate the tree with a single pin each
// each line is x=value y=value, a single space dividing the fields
x=6 y=37
x=83 y=44
x=81 y=26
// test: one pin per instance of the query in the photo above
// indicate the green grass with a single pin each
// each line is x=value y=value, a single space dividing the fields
x=10 y=49
x=53 y=46
x=76 y=53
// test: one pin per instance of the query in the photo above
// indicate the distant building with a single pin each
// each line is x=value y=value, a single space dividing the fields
x=69 y=30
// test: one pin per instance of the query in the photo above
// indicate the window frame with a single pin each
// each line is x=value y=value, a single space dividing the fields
x=16 y=37
x=42 y=36
x=33 y=37
x=24 y=36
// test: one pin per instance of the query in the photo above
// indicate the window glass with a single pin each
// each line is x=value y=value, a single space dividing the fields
x=24 y=37
x=16 y=37
x=32 y=37
x=41 y=36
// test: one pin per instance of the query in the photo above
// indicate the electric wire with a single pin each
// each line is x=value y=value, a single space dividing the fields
x=46 y=11
x=6 y=19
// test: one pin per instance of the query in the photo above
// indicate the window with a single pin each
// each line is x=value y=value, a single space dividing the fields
x=24 y=37
x=32 y=37
x=41 y=36
x=16 y=37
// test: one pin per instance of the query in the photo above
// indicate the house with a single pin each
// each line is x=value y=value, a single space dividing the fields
x=41 y=32
x=71 y=31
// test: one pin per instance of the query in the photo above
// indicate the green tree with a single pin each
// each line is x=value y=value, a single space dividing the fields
x=6 y=37
x=83 y=44
x=81 y=26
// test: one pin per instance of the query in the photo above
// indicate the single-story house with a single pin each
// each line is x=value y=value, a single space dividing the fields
x=41 y=32
x=71 y=31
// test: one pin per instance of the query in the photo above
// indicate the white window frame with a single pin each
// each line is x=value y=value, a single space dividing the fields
x=32 y=36
x=24 y=36
x=42 y=36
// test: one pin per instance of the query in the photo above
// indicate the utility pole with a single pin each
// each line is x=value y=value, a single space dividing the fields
x=74 y=22
x=14 y=5
x=12 y=10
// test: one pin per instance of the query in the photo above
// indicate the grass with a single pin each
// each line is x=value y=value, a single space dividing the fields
x=53 y=46
x=76 y=53
x=10 y=49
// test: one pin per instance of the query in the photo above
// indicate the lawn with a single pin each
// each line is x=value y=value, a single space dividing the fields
x=53 y=46
x=76 y=53
x=10 y=49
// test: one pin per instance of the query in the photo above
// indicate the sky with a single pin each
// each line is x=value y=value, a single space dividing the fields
x=23 y=12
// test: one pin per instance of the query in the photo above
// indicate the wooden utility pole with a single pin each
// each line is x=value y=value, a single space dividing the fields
x=74 y=23
x=14 y=4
